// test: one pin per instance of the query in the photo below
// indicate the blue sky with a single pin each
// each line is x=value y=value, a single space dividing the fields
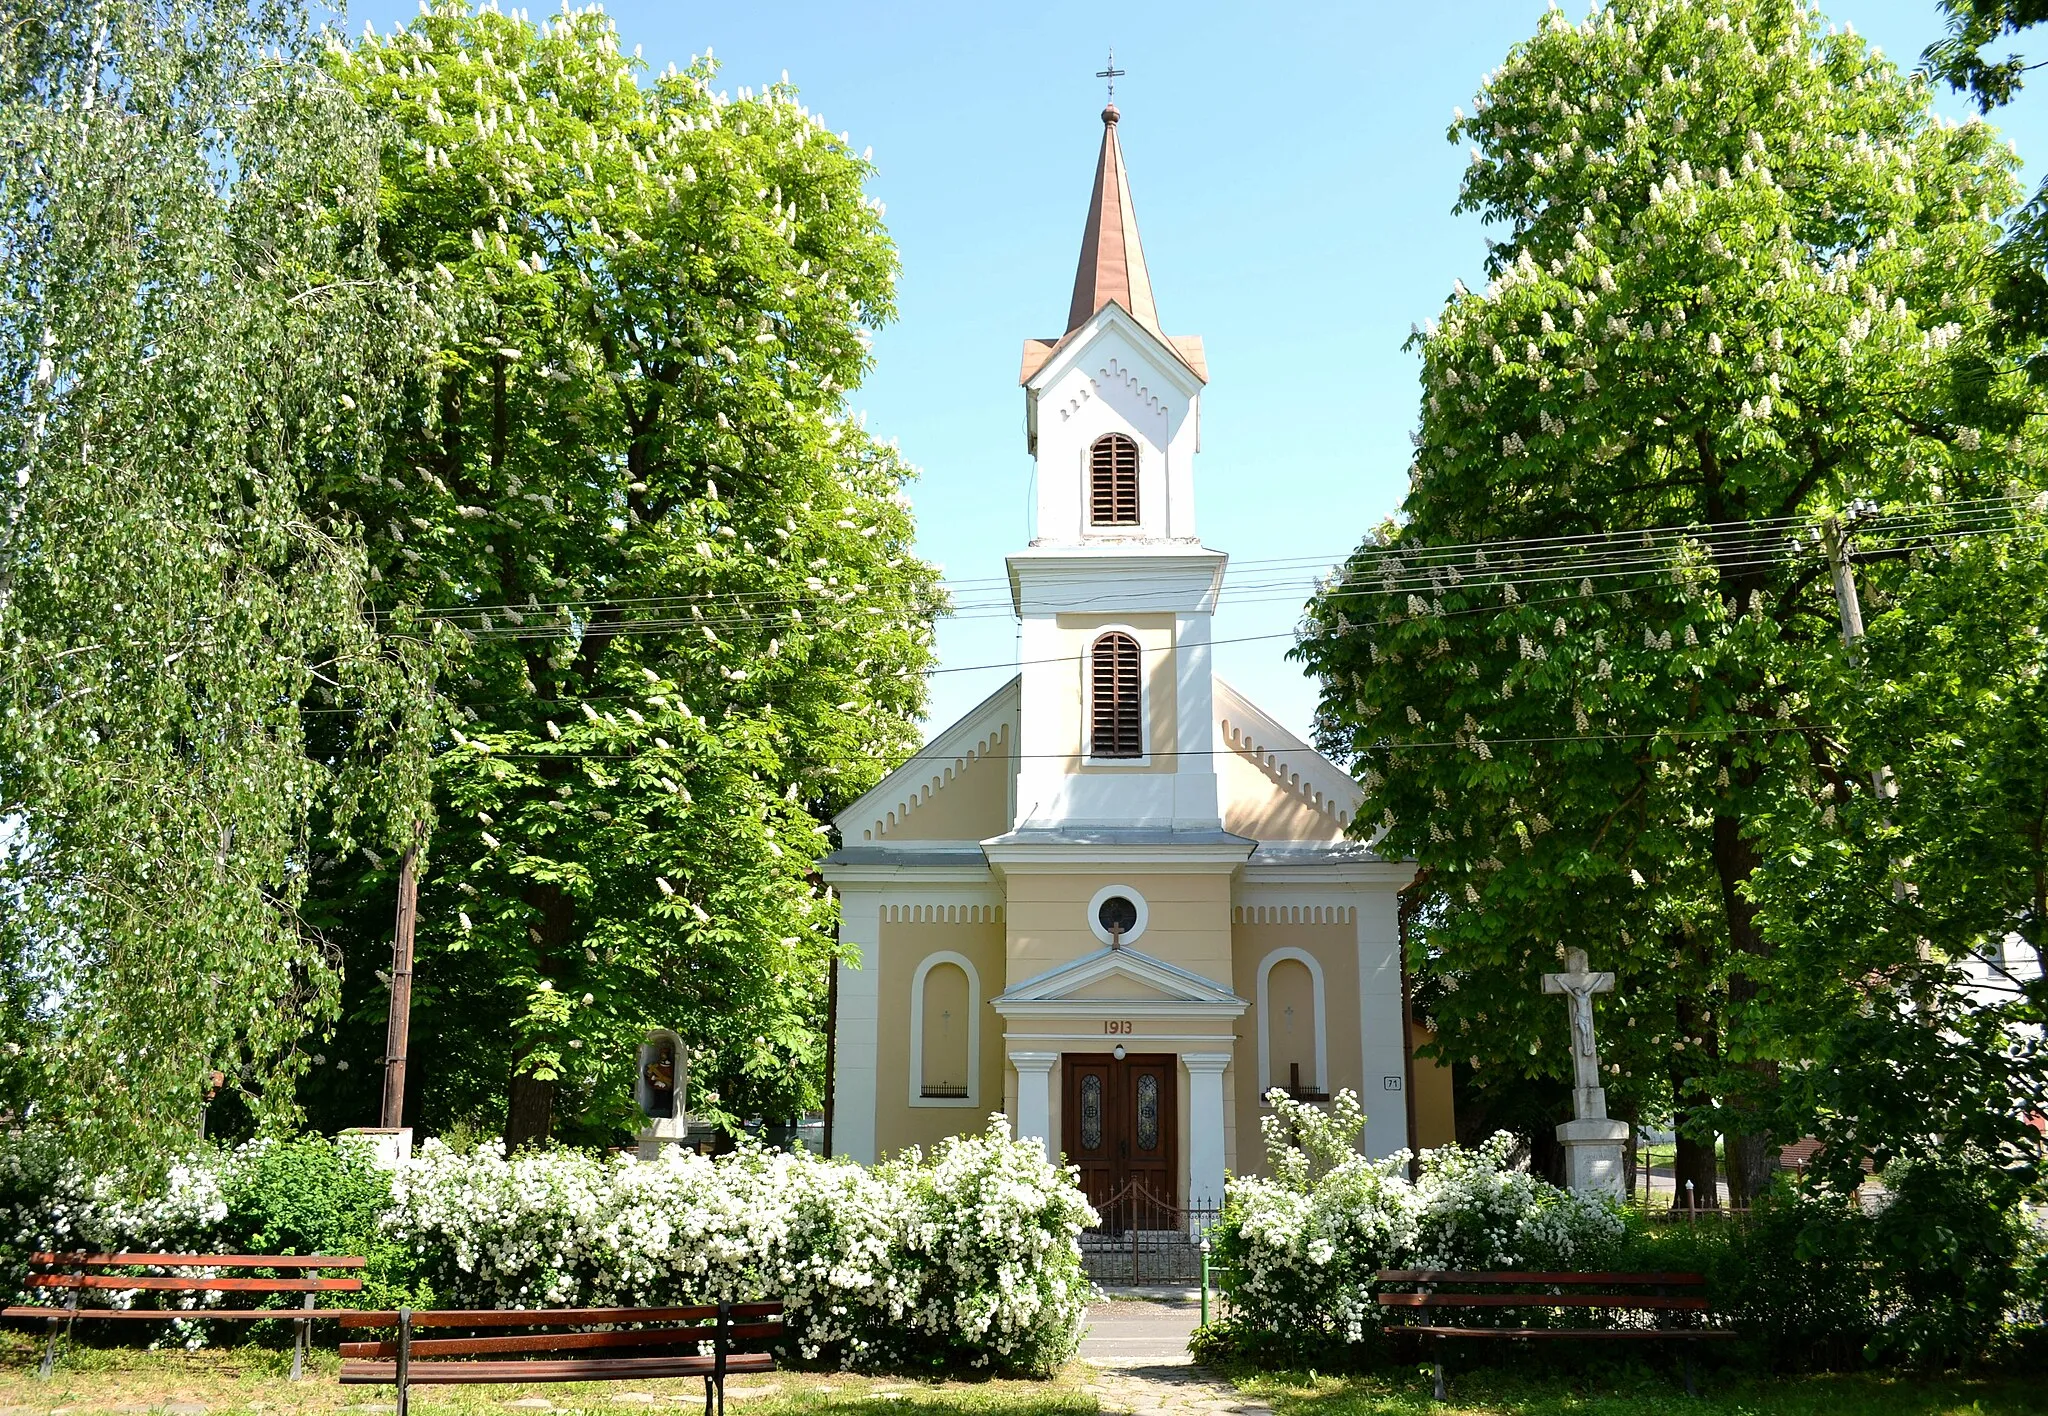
x=1293 y=186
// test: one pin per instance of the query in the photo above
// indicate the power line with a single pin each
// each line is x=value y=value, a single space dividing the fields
x=1400 y=570
x=670 y=625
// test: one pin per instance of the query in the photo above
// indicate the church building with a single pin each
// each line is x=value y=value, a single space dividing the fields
x=1116 y=901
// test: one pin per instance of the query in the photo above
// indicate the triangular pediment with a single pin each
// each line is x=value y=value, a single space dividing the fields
x=956 y=788
x=1120 y=976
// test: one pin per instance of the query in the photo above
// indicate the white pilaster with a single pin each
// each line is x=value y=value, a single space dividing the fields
x=1034 y=1099
x=1045 y=685
x=1196 y=800
x=853 y=1058
x=1205 y=1125
x=1382 y=1021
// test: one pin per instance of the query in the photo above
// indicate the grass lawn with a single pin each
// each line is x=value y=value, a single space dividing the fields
x=255 y=1379
x=1646 y=1391
x=251 y=1379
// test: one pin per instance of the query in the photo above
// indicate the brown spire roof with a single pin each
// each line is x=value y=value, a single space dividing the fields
x=1112 y=270
x=1112 y=262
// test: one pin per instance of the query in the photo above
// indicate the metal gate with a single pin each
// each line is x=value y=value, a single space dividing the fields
x=1139 y=1239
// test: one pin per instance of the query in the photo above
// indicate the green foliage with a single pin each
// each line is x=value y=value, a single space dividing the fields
x=691 y=622
x=195 y=326
x=1952 y=1250
x=309 y=1195
x=1740 y=275
x=1973 y=26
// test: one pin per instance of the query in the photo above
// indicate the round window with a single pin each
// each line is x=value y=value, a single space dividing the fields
x=1117 y=915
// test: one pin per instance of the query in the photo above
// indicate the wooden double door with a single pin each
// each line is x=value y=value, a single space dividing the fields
x=1119 y=1119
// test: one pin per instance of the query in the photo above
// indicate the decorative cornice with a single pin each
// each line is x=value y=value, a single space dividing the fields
x=1294 y=914
x=1291 y=764
x=942 y=914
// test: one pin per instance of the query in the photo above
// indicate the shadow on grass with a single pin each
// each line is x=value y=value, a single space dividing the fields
x=131 y=1381
x=1599 y=1387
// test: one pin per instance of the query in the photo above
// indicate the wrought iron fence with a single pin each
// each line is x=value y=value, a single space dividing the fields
x=1140 y=1239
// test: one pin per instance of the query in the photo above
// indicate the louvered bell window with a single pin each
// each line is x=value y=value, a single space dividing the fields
x=1113 y=481
x=1114 y=727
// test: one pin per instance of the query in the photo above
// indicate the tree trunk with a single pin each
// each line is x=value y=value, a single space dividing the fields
x=1695 y=1162
x=1752 y=1161
x=529 y=1111
x=1751 y=1156
x=1692 y=1109
x=1630 y=1158
x=530 y=1103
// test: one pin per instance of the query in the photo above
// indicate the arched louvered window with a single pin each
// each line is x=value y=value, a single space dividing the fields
x=1113 y=481
x=1115 y=728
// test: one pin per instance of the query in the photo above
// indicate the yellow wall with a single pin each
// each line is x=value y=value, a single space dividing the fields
x=903 y=947
x=969 y=805
x=1335 y=947
x=946 y=1033
x=1436 y=1122
x=1188 y=920
x=1291 y=1025
x=1257 y=806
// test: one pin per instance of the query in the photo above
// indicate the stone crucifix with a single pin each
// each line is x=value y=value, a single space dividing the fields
x=1579 y=983
x=1593 y=1143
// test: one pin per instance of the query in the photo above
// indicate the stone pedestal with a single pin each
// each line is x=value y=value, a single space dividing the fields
x=1593 y=1154
x=662 y=1131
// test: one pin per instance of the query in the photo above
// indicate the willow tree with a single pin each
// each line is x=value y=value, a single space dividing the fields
x=1739 y=279
x=694 y=622
x=194 y=326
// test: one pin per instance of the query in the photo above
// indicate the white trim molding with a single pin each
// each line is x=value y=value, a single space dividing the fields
x=1182 y=993
x=1107 y=892
x=1315 y=973
x=917 y=980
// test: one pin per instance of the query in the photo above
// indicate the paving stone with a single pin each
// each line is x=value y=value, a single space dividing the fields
x=533 y=1403
x=638 y=1398
x=743 y=1393
x=180 y=1408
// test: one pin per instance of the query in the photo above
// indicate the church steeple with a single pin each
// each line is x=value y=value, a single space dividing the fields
x=1112 y=265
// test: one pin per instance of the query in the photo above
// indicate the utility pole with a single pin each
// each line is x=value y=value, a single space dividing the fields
x=1851 y=607
x=398 y=1027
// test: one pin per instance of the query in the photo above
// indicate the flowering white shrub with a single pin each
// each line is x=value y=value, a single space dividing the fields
x=968 y=1257
x=1301 y=1249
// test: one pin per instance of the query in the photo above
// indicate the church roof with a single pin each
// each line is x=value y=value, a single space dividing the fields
x=1112 y=260
x=1112 y=267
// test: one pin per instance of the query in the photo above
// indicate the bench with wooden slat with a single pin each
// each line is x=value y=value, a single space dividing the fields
x=1440 y=1292
x=711 y=1342
x=71 y=1273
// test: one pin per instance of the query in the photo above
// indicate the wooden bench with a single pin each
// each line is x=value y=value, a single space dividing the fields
x=75 y=1273
x=720 y=1340
x=1452 y=1291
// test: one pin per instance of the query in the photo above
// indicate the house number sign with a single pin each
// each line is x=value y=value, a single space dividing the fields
x=1117 y=1026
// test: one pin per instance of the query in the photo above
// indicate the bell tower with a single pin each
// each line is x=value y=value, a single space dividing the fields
x=1116 y=592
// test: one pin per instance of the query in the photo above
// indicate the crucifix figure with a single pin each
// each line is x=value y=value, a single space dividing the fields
x=1579 y=983
x=1112 y=74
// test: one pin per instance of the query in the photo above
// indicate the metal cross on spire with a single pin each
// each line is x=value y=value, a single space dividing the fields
x=1112 y=74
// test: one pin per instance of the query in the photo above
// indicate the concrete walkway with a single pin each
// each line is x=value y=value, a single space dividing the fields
x=1139 y=1348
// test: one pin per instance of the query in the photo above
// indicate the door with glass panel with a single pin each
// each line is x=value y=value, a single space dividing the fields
x=1117 y=1124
